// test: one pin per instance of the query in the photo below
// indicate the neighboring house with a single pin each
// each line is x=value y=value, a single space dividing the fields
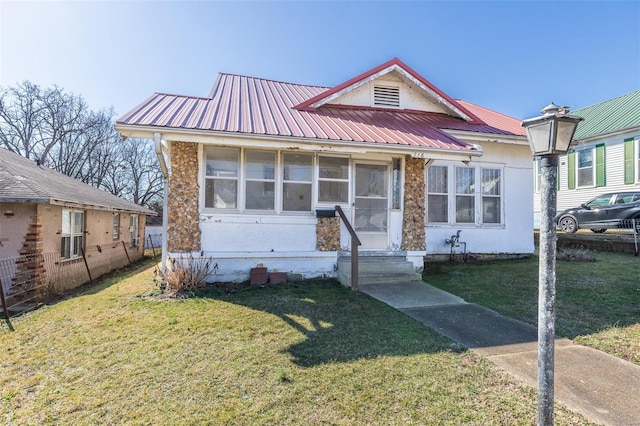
x=257 y=164
x=605 y=156
x=50 y=220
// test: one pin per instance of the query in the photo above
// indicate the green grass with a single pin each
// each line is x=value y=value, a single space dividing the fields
x=294 y=354
x=597 y=303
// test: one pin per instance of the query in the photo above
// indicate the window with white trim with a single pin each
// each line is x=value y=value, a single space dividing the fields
x=221 y=178
x=438 y=194
x=260 y=180
x=637 y=147
x=333 y=179
x=585 y=167
x=491 y=196
x=243 y=179
x=134 y=238
x=454 y=197
x=297 y=172
x=465 y=197
x=116 y=226
x=72 y=237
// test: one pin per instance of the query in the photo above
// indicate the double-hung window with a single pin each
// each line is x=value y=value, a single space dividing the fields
x=116 y=226
x=585 y=167
x=221 y=178
x=491 y=201
x=134 y=238
x=72 y=237
x=260 y=180
x=296 y=182
x=464 y=195
x=438 y=198
x=333 y=179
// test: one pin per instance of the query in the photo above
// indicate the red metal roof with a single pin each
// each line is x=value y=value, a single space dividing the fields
x=254 y=106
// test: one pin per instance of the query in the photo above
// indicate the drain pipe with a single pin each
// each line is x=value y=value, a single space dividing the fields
x=165 y=201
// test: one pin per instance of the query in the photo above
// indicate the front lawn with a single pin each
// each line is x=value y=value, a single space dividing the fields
x=597 y=303
x=294 y=354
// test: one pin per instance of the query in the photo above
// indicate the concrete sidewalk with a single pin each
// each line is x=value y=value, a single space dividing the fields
x=601 y=387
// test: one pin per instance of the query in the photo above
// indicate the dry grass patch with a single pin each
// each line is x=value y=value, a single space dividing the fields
x=308 y=353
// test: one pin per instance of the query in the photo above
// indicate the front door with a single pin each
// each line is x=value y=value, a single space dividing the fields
x=371 y=205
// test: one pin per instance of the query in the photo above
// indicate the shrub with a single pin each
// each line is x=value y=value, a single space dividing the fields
x=575 y=254
x=185 y=273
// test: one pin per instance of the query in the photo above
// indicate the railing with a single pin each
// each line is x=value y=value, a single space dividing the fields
x=355 y=242
x=27 y=281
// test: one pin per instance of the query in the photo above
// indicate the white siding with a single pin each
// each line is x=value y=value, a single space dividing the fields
x=614 y=172
x=409 y=97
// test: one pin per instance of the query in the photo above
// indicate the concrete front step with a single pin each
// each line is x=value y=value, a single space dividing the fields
x=378 y=269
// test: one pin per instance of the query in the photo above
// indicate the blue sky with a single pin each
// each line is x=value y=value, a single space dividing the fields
x=511 y=56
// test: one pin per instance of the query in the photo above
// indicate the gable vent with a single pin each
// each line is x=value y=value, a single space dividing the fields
x=386 y=96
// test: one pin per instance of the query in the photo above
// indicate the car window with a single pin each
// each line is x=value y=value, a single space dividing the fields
x=624 y=198
x=636 y=197
x=602 y=200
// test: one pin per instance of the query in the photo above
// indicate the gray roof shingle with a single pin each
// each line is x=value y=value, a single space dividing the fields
x=23 y=181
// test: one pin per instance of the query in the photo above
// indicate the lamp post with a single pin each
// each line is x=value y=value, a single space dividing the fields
x=549 y=135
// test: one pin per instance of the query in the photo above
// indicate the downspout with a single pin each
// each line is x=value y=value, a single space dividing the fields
x=165 y=198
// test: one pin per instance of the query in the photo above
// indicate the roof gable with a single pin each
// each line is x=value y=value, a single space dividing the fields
x=396 y=71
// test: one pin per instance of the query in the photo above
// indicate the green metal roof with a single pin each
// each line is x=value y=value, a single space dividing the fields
x=609 y=116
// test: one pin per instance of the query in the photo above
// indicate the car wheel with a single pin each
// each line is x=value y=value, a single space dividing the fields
x=568 y=224
x=598 y=231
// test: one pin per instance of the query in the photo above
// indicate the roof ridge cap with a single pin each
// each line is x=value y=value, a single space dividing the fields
x=273 y=80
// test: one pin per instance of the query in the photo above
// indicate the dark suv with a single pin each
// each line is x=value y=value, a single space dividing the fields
x=615 y=210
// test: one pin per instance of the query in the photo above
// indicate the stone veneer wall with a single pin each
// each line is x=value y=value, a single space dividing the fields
x=328 y=234
x=183 y=230
x=413 y=221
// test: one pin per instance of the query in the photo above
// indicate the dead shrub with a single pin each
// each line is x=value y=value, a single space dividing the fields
x=575 y=254
x=185 y=273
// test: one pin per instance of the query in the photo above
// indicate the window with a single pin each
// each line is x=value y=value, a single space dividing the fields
x=134 y=238
x=396 y=183
x=454 y=197
x=491 y=196
x=438 y=198
x=260 y=175
x=72 y=234
x=465 y=198
x=116 y=226
x=585 y=167
x=221 y=178
x=333 y=180
x=296 y=182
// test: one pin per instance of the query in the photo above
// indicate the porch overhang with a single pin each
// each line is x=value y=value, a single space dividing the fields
x=210 y=137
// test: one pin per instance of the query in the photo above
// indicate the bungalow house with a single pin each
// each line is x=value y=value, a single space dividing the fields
x=59 y=232
x=605 y=156
x=257 y=168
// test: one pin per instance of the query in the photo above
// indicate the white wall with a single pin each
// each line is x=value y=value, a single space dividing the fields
x=515 y=234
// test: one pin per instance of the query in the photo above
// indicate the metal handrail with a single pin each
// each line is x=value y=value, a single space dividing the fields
x=355 y=242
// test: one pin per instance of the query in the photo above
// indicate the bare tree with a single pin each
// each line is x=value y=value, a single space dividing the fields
x=60 y=130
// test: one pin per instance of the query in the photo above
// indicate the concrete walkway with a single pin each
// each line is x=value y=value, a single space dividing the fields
x=601 y=387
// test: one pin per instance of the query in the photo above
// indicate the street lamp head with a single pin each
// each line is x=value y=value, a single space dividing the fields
x=551 y=133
